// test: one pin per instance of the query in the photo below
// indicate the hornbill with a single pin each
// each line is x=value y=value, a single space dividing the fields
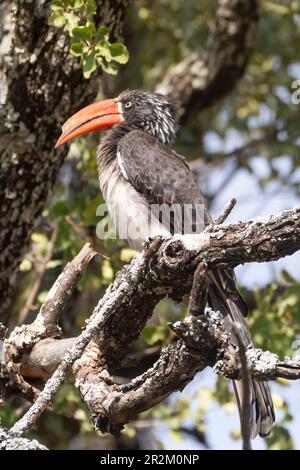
x=138 y=169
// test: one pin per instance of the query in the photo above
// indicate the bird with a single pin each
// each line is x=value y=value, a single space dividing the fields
x=139 y=170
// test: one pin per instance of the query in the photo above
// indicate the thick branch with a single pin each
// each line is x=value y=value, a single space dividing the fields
x=172 y=265
x=45 y=357
x=167 y=267
x=263 y=365
x=102 y=313
x=112 y=405
x=9 y=442
x=203 y=342
x=257 y=240
x=23 y=338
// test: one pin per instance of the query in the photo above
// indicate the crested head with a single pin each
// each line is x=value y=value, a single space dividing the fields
x=151 y=112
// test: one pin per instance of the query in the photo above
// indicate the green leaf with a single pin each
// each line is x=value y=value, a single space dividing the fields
x=71 y=20
x=90 y=8
x=102 y=34
x=119 y=52
x=176 y=436
x=287 y=277
x=107 y=271
x=279 y=439
x=78 y=4
x=56 y=6
x=84 y=33
x=102 y=49
x=60 y=209
x=154 y=333
x=89 y=64
x=127 y=254
x=76 y=48
x=54 y=263
x=26 y=265
x=7 y=415
x=42 y=296
x=108 y=67
x=57 y=19
x=276 y=8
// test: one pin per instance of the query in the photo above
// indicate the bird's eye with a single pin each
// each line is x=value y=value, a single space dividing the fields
x=128 y=104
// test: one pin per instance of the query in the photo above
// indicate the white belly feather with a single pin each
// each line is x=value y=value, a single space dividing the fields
x=129 y=210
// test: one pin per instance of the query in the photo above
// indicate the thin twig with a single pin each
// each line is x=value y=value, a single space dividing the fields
x=225 y=212
x=61 y=291
x=198 y=295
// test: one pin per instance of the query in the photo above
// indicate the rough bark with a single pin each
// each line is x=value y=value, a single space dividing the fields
x=24 y=337
x=9 y=442
x=178 y=268
x=203 y=342
x=41 y=84
x=204 y=78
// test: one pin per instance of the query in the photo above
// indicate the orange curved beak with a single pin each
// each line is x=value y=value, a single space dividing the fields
x=95 y=117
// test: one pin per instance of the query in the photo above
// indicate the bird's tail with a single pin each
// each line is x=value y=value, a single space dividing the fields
x=224 y=297
x=261 y=407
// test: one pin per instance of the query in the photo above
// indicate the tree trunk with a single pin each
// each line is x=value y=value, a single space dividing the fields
x=41 y=84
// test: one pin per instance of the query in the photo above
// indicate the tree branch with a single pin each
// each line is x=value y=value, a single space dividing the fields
x=9 y=442
x=202 y=79
x=166 y=267
x=102 y=313
x=225 y=213
x=203 y=341
x=24 y=337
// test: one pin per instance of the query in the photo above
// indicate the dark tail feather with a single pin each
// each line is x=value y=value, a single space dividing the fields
x=224 y=297
x=261 y=414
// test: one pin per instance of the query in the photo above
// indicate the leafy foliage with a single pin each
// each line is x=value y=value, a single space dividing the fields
x=275 y=322
x=88 y=42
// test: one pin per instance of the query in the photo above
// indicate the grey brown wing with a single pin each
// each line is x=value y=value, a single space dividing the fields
x=164 y=179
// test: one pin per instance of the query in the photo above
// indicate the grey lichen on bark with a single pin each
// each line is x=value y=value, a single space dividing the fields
x=45 y=327
x=41 y=84
x=10 y=442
